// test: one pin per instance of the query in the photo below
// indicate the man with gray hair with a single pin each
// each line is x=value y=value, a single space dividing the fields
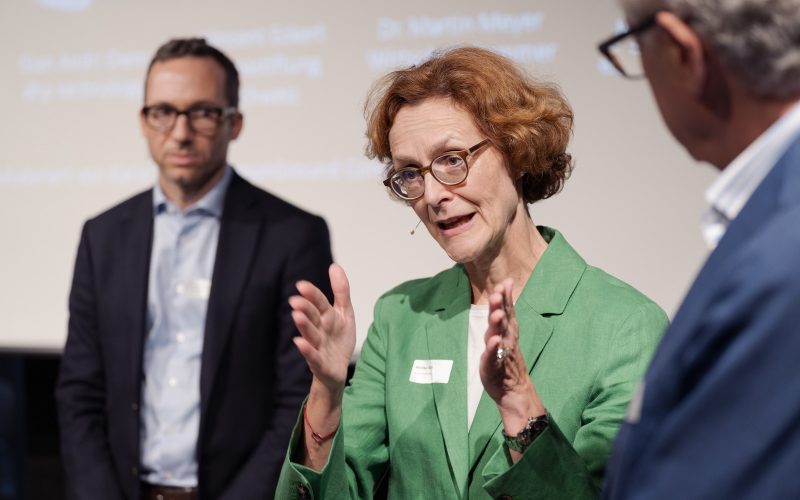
x=717 y=413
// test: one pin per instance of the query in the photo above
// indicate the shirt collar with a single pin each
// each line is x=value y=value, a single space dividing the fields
x=728 y=194
x=211 y=203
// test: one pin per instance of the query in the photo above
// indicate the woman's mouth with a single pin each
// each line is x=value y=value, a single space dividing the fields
x=453 y=225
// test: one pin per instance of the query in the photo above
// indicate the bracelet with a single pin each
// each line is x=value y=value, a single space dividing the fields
x=316 y=437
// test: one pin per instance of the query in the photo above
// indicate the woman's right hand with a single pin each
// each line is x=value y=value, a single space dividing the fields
x=328 y=332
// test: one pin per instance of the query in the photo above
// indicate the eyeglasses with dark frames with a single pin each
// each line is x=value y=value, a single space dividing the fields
x=202 y=119
x=626 y=57
x=450 y=169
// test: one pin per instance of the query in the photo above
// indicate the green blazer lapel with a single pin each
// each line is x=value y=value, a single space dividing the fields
x=546 y=293
x=447 y=340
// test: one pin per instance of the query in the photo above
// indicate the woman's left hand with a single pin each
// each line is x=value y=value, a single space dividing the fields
x=502 y=368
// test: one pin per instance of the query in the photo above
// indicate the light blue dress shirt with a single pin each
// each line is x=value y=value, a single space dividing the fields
x=181 y=265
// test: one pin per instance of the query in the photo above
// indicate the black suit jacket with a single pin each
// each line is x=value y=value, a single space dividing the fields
x=252 y=379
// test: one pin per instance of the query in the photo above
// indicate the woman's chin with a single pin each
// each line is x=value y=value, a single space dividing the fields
x=460 y=255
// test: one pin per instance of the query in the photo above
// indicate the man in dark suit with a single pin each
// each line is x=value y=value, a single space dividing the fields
x=11 y=427
x=179 y=378
x=717 y=414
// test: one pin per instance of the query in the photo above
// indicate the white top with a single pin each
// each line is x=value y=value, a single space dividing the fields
x=478 y=323
x=730 y=191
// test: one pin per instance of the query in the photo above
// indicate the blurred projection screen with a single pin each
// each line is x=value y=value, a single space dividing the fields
x=72 y=88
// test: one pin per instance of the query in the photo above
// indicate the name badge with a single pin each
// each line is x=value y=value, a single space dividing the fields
x=197 y=288
x=431 y=371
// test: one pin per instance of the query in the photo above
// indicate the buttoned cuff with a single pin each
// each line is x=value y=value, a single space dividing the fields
x=298 y=481
x=548 y=469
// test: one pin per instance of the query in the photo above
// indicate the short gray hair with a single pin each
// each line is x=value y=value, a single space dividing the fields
x=758 y=40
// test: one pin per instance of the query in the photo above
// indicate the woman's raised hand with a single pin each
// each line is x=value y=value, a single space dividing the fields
x=502 y=369
x=328 y=332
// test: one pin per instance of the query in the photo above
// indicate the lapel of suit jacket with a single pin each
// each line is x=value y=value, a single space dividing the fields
x=789 y=165
x=133 y=259
x=446 y=336
x=238 y=238
x=546 y=293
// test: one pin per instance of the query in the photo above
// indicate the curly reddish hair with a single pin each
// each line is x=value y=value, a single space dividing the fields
x=529 y=121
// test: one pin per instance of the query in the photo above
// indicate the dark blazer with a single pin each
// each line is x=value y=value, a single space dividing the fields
x=720 y=411
x=252 y=379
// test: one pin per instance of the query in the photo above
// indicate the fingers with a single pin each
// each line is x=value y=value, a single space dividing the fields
x=340 y=286
x=301 y=304
x=502 y=332
x=313 y=294
x=499 y=348
x=499 y=311
x=501 y=306
x=498 y=325
x=306 y=349
x=309 y=331
x=312 y=356
x=492 y=343
x=508 y=297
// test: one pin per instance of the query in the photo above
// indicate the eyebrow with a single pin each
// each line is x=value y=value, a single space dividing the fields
x=195 y=104
x=439 y=146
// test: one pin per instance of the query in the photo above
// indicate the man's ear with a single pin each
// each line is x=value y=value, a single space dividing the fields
x=689 y=52
x=237 y=122
x=142 y=124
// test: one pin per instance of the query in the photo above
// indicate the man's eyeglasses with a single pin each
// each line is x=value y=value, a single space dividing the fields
x=450 y=169
x=202 y=119
x=622 y=51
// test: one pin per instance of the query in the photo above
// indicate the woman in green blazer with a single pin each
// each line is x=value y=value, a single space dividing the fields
x=505 y=376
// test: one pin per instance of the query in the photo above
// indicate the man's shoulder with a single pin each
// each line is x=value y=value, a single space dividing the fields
x=141 y=202
x=243 y=191
x=744 y=281
x=773 y=251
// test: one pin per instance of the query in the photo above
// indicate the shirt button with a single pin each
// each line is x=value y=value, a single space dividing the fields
x=135 y=471
x=181 y=288
x=172 y=381
x=134 y=407
x=180 y=337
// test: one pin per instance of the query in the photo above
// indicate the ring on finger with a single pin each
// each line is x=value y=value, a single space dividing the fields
x=503 y=352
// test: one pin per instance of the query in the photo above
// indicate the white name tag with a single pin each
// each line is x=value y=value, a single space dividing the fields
x=197 y=288
x=431 y=371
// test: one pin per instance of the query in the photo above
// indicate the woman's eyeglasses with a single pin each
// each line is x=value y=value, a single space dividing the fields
x=450 y=169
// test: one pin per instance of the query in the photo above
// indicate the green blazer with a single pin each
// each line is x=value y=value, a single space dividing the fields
x=587 y=339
